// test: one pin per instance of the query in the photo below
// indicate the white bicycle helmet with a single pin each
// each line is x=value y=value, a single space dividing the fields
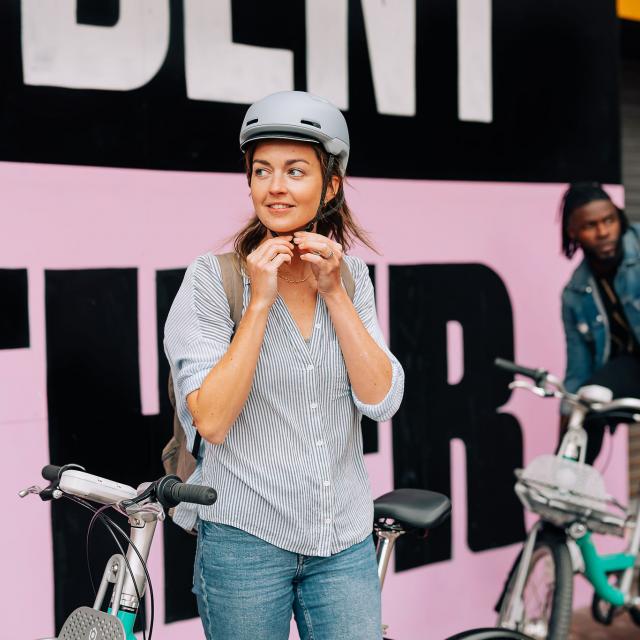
x=301 y=116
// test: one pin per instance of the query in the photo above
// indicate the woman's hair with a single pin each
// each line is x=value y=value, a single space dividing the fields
x=337 y=223
x=577 y=195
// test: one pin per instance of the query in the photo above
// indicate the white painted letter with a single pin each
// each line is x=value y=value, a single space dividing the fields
x=475 y=90
x=391 y=38
x=220 y=70
x=455 y=352
x=59 y=52
x=327 y=50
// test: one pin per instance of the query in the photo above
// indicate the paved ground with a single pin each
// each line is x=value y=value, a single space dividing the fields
x=585 y=628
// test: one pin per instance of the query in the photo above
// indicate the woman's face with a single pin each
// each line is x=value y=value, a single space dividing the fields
x=286 y=181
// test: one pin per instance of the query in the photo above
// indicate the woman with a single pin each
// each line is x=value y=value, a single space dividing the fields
x=279 y=401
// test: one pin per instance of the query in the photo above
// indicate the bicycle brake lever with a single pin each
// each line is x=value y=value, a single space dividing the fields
x=49 y=493
x=521 y=384
x=34 y=488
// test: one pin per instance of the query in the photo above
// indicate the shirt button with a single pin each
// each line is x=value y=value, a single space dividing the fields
x=588 y=289
x=317 y=325
x=309 y=367
x=326 y=483
x=327 y=520
x=598 y=318
x=319 y=443
x=313 y=405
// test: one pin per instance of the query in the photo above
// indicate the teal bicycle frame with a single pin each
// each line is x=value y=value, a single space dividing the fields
x=597 y=569
x=128 y=619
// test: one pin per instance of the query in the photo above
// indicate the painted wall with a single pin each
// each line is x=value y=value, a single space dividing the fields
x=117 y=170
x=127 y=219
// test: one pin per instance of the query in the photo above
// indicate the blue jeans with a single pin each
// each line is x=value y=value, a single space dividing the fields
x=247 y=589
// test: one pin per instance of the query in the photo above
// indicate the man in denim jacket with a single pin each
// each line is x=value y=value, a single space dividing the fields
x=601 y=302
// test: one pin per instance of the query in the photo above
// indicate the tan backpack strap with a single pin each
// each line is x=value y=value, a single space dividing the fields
x=233 y=284
x=172 y=393
x=347 y=279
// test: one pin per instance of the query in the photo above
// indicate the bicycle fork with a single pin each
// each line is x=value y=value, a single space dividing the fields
x=124 y=600
x=515 y=604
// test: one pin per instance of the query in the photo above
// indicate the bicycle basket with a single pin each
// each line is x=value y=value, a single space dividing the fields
x=564 y=491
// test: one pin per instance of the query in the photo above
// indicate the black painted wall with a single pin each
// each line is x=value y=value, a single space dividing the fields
x=555 y=96
x=423 y=298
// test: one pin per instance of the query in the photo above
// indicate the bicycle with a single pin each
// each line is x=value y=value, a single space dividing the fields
x=128 y=572
x=570 y=498
x=415 y=510
x=396 y=513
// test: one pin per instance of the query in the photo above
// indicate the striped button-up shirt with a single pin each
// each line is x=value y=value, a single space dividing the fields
x=291 y=469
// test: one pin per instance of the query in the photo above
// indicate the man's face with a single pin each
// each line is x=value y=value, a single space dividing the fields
x=596 y=228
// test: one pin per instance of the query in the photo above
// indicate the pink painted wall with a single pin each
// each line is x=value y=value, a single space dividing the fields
x=58 y=217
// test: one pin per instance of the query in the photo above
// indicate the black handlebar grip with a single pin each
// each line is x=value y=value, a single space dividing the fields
x=512 y=367
x=51 y=472
x=196 y=493
x=171 y=492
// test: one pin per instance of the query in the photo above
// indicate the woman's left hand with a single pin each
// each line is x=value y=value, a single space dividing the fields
x=324 y=256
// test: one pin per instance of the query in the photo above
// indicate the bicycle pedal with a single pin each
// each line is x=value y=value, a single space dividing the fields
x=86 y=622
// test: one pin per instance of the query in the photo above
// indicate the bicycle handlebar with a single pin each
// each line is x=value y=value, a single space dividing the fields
x=547 y=385
x=170 y=491
x=512 y=367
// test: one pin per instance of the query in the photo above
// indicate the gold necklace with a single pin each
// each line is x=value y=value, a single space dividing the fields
x=295 y=281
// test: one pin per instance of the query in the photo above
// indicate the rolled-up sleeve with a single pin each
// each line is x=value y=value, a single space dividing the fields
x=197 y=332
x=364 y=302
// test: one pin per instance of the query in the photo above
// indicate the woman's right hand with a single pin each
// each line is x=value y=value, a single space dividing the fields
x=262 y=267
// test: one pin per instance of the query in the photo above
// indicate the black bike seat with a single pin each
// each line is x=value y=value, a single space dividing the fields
x=413 y=508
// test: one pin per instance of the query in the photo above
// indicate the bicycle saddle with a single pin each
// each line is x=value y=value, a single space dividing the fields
x=413 y=508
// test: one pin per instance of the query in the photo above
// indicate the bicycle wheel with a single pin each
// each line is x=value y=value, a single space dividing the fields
x=548 y=591
x=489 y=634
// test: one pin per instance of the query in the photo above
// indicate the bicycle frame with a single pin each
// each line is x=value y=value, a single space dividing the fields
x=127 y=575
x=597 y=567
x=126 y=601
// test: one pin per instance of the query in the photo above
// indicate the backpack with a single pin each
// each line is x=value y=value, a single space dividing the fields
x=177 y=458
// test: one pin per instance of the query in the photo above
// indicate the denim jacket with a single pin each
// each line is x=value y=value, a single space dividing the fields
x=586 y=324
